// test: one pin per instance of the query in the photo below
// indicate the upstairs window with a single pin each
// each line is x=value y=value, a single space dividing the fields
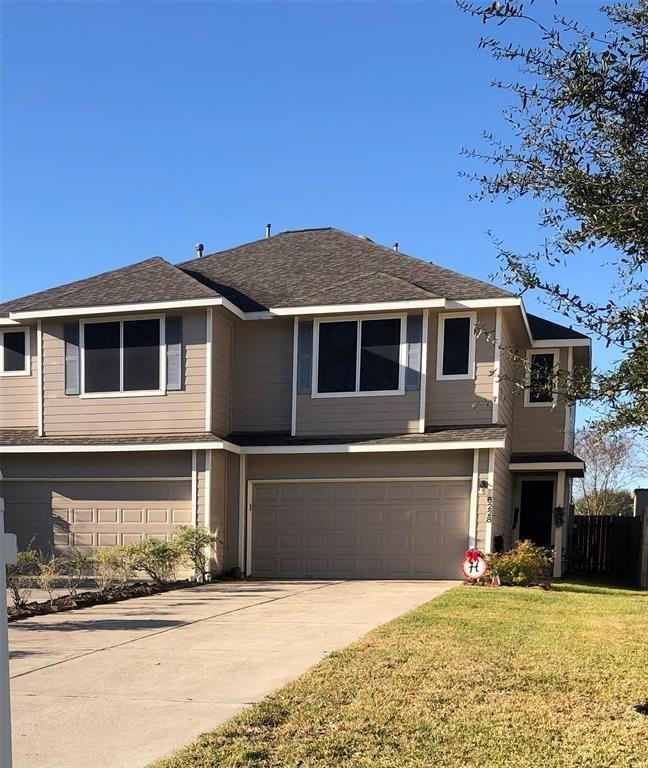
x=359 y=357
x=541 y=378
x=122 y=356
x=14 y=352
x=456 y=346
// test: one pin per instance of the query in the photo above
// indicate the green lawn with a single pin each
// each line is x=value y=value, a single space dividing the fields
x=478 y=677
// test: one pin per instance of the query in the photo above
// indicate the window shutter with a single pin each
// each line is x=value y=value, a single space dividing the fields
x=71 y=338
x=304 y=356
x=173 y=338
x=414 y=345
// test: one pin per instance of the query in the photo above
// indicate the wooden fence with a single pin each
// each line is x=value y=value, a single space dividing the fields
x=607 y=545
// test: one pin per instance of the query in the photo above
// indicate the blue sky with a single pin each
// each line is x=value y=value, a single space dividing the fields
x=136 y=129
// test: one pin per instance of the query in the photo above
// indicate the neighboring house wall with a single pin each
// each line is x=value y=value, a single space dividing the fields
x=221 y=384
x=262 y=375
x=180 y=411
x=395 y=414
x=539 y=428
x=463 y=401
x=19 y=393
x=86 y=500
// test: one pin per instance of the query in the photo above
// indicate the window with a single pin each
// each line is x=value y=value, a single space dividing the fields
x=14 y=352
x=122 y=356
x=541 y=378
x=456 y=346
x=355 y=357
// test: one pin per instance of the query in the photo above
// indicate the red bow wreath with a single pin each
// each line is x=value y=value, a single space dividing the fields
x=473 y=554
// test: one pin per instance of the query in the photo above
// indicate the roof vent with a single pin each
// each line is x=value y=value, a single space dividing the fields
x=199 y=249
x=268 y=227
x=395 y=247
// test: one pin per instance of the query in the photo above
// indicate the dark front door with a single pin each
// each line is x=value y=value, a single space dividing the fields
x=536 y=508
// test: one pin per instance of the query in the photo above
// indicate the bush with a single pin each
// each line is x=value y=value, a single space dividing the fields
x=112 y=565
x=49 y=575
x=158 y=559
x=21 y=577
x=521 y=566
x=196 y=544
x=74 y=568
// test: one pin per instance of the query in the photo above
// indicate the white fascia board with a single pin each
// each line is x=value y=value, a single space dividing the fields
x=511 y=301
x=116 y=308
x=373 y=448
x=215 y=445
x=546 y=465
x=544 y=343
x=382 y=306
x=8 y=321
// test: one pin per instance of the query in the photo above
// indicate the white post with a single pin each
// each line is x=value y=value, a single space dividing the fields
x=7 y=555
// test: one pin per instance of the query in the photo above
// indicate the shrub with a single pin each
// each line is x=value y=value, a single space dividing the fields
x=21 y=577
x=112 y=565
x=158 y=559
x=49 y=576
x=195 y=544
x=74 y=568
x=523 y=565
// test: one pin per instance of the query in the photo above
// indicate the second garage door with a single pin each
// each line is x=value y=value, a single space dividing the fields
x=359 y=529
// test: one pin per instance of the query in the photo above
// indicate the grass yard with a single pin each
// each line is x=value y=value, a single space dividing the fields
x=507 y=678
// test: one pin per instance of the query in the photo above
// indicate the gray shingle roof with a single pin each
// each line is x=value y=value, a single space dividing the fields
x=151 y=280
x=14 y=437
x=304 y=267
x=431 y=435
x=546 y=329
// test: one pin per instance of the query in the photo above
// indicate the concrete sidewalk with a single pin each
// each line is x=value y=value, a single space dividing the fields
x=120 y=685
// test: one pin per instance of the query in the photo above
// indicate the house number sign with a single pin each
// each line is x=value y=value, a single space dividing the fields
x=489 y=509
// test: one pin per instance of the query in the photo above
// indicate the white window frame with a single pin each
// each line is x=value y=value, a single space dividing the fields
x=443 y=316
x=359 y=319
x=27 y=369
x=527 y=378
x=121 y=320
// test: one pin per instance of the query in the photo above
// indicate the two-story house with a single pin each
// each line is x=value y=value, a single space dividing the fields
x=328 y=406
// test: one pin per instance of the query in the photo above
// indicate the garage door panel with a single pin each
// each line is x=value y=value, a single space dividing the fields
x=393 y=529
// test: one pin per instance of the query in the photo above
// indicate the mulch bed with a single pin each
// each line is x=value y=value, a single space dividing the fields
x=87 y=599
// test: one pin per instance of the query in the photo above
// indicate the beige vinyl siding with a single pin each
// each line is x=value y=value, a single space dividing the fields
x=201 y=488
x=19 y=394
x=315 y=466
x=392 y=414
x=461 y=401
x=537 y=429
x=231 y=528
x=86 y=500
x=222 y=341
x=180 y=412
x=262 y=375
x=503 y=482
x=508 y=374
x=218 y=521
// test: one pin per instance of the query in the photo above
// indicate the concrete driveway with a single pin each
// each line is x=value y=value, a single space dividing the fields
x=120 y=685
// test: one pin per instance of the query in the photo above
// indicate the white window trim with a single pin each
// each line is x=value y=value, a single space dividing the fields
x=27 y=370
x=121 y=320
x=402 y=357
x=472 y=316
x=527 y=378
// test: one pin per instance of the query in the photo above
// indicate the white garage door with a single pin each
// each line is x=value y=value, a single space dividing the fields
x=359 y=529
